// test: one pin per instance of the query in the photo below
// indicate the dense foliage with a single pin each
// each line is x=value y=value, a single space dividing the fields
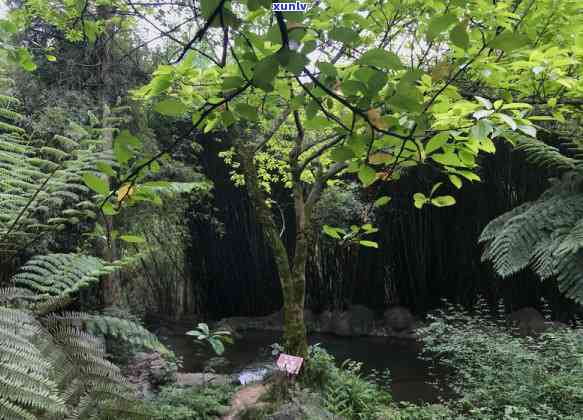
x=321 y=114
x=173 y=403
x=545 y=234
x=498 y=374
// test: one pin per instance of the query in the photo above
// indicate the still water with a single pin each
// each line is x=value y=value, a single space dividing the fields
x=410 y=375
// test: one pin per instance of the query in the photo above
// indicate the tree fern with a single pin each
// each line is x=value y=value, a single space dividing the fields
x=547 y=234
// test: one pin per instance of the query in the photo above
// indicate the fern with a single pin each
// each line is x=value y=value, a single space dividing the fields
x=547 y=234
x=52 y=362
x=41 y=187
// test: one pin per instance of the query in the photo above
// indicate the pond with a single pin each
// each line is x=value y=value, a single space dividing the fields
x=410 y=374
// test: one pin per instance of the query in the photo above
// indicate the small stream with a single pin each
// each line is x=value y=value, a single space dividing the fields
x=410 y=375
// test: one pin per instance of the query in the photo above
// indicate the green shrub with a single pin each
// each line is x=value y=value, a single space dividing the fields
x=500 y=375
x=204 y=403
x=319 y=368
x=345 y=391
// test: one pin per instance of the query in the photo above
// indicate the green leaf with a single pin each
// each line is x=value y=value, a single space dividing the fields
x=25 y=60
x=170 y=108
x=380 y=58
x=448 y=159
x=382 y=201
x=344 y=35
x=108 y=209
x=419 y=200
x=51 y=58
x=247 y=111
x=211 y=123
x=332 y=231
x=470 y=176
x=328 y=69
x=443 y=201
x=126 y=138
x=105 y=168
x=122 y=153
x=436 y=142
x=487 y=145
x=134 y=239
x=208 y=7
x=459 y=36
x=352 y=87
x=292 y=61
x=367 y=175
x=481 y=130
x=456 y=181
x=233 y=82
x=228 y=118
x=508 y=120
x=485 y=102
x=8 y=26
x=407 y=98
x=369 y=244
x=96 y=183
x=341 y=154
x=264 y=73
x=439 y=24
x=508 y=41
x=217 y=345
x=529 y=130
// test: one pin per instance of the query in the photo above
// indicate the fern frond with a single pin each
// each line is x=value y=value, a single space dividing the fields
x=546 y=156
x=61 y=274
x=108 y=326
x=25 y=384
x=545 y=235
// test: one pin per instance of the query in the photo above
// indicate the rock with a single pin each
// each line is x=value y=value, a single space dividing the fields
x=164 y=331
x=399 y=319
x=271 y=322
x=229 y=326
x=357 y=320
x=528 y=321
x=147 y=371
x=200 y=379
x=361 y=319
x=324 y=322
x=341 y=324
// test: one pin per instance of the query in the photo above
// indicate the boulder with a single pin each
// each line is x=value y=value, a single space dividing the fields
x=357 y=320
x=341 y=324
x=229 y=326
x=324 y=322
x=361 y=319
x=147 y=371
x=528 y=320
x=399 y=319
x=271 y=322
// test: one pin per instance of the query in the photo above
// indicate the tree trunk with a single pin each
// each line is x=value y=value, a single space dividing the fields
x=292 y=279
x=110 y=286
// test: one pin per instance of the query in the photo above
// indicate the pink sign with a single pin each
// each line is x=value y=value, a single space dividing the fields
x=291 y=364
